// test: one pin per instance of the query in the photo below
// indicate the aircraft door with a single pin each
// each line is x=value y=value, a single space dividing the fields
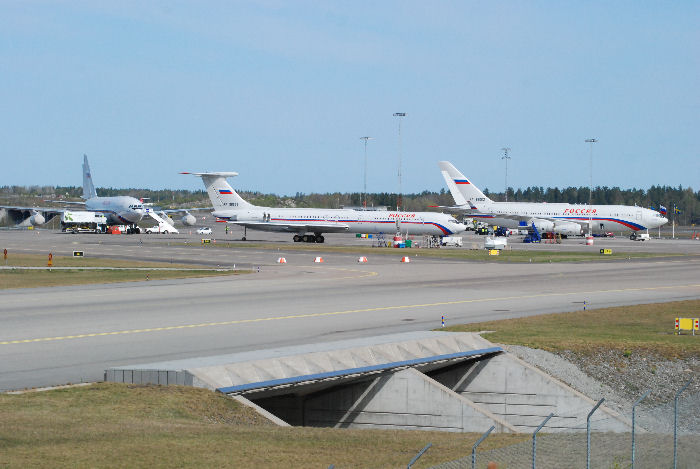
x=639 y=215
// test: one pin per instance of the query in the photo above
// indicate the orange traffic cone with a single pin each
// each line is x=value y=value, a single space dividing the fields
x=281 y=260
x=362 y=259
x=405 y=259
x=318 y=259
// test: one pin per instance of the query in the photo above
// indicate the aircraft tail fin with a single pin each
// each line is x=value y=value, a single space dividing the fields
x=220 y=191
x=88 y=187
x=463 y=191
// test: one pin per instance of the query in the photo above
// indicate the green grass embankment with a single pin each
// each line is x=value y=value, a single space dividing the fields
x=116 y=425
x=639 y=328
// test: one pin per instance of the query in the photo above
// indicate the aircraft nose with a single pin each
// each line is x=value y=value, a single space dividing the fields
x=665 y=220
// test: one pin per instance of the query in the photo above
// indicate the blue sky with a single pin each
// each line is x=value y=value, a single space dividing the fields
x=281 y=92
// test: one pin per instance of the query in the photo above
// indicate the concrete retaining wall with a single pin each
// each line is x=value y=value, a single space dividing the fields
x=406 y=399
x=523 y=395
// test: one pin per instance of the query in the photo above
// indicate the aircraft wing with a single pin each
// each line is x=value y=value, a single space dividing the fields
x=181 y=210
x=292 y=227
x=539 y=217
x=18 y=214
x=67 y=202
x=455 y=208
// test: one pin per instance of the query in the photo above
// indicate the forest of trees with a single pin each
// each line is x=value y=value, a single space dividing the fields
x=687 y=201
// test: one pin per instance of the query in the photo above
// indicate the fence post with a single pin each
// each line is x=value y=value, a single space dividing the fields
x=420 y=453
x=478 y=442
x=534 y=441
x=634 y=407
x=675 y=422
x=588 y=433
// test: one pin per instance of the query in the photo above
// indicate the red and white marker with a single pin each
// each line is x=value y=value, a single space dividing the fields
x=362 y=259
x=405 y=259
x=281 y=260
x=318 y=259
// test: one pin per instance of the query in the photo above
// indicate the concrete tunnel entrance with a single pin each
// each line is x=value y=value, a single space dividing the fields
x=443 y=381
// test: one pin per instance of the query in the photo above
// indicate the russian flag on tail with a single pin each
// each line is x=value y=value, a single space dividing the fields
x=662 y=210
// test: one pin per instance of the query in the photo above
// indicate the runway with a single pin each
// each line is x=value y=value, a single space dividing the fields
x=53 y=336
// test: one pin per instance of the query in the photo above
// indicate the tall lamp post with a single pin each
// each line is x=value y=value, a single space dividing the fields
x=590 y=189
x=506 y=157
x=399 y=203
x=364 y=189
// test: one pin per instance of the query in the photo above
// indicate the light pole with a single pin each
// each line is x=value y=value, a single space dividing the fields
x=364 y=190
x=506 y=157
x=399 y=202
x=590 y=189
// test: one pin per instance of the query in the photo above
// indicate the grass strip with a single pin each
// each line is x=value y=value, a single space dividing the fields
x=54 y=278
x=628 y=329
x=121 y=425
x=519 y=256
x=40 y=260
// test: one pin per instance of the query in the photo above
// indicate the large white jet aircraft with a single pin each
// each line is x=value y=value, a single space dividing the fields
x=118 y=210
x=309 y=224
x=566 y=219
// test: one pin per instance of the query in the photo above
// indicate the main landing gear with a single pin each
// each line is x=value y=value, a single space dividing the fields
x=317 y=238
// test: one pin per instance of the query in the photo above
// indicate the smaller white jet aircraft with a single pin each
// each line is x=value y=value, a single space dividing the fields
x=566 y=219
x=309 y=224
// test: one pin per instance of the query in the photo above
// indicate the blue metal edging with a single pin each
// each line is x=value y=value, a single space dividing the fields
x=352 y=371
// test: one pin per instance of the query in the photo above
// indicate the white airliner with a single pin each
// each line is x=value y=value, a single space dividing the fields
x=309 y=224
x=118 y=210
x=566 y=219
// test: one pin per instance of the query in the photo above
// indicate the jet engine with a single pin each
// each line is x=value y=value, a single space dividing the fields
x=568 y=228
x=37 y=219
x=188 y=219
x=543 y=226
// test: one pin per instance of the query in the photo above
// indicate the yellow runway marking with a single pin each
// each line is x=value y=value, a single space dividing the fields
x=332 y=313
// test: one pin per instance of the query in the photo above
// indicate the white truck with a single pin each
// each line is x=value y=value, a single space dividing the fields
x=640 y=236
x=83 y=222
x=451 y=241
x=162 y=228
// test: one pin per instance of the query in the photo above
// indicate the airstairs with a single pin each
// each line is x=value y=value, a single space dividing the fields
x=164 y=225
x=533 y=235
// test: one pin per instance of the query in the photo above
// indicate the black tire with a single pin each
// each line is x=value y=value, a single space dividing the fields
x=243 y=238
x=320 y=238
x=297 y=238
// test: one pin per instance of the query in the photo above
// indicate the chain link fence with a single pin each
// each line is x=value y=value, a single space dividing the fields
x=649 y=447
x=608 y=451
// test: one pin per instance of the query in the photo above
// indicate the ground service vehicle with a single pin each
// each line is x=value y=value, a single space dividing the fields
x=162 y=228
x=451 y=241
x=83 y=222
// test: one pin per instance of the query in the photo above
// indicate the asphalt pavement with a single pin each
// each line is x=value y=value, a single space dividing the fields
x=59 y=335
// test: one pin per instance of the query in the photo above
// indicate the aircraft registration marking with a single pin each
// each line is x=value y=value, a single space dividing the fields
x=327 y=314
